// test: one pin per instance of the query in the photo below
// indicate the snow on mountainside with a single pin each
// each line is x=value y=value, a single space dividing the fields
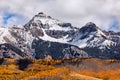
x=114 y=36
x=15 y=35
x=17 y=39
x=52 y=24
x=50 y=29
x=46 y=36
x=4 y=32
x=91 y=36
x=56 y=31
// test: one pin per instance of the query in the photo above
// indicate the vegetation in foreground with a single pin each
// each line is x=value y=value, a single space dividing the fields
x=74 y=69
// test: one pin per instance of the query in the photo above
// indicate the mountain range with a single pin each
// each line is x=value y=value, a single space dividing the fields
x=46 y=37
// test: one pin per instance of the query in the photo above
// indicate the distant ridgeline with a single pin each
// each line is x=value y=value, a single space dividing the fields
x=44 y=36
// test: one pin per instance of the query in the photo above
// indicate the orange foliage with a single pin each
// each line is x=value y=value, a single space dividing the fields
x=12 y=66
x=10 y=60
x=51 y=74
x=43 y=69
x=106 y=75
x=57 y=71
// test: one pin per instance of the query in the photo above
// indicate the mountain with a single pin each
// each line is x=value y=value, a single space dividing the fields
x=91 y=36
x=114 y=36
x=14 y=43
x=53 y=30
x=45 y=36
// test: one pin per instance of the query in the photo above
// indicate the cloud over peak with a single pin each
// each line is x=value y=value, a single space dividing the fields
x=105 y=13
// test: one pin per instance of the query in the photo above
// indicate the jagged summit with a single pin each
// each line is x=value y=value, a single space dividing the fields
x=44 y=35
x=90 y=24
x=42 y=15
x=89 y=27
x=57 y=31
x=91 y=36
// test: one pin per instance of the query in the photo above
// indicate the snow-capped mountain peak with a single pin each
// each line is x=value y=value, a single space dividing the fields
x=91 y=25
x=42 y=15
x=43 y=29
x=51 y=29
x=91 y=36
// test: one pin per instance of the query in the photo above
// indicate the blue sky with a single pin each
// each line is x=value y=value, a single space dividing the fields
x=104 y=13
x=10 y=19
x=114 y=25
x=7 y=17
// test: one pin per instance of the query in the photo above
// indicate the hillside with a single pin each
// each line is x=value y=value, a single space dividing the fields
x=45 y=69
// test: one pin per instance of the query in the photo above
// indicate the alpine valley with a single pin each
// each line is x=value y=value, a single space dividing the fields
x=46 y=37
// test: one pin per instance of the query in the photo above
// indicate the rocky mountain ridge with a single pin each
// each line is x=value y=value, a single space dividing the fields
x=45 y=36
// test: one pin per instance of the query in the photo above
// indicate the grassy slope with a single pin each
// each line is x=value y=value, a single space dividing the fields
x=82 y=77
x=75 y=69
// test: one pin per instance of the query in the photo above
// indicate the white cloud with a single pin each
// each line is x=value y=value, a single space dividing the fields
x=1 y=18
x=78 y=12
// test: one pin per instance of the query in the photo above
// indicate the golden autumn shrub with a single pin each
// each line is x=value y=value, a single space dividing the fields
x=54 y=74
x=58 y=69
x=105 y=75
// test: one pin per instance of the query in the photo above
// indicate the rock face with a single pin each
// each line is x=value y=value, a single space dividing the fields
x=114 y=36
x=17 y=42
x=57 y=50
x=45 y=36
